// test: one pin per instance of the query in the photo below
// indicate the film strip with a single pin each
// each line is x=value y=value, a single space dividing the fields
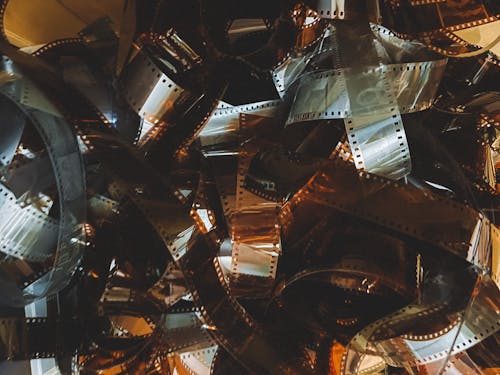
x=223 y=131
x=184 y=333
x=370 y=100
x=201 y=212
x=220 y=139
x=68 y=171
x=102 y=208
x=436 y=24
x=160 y=101
x=3 y=8
x=347 y=9
x=118 y=299
x=363 y=198
x=197 y=362
x=25 y=232
x=477 y=322
x=254 y=258
x=255 y=235
x=310 y=27
x=428 y=16
x=336 y=104
x=460 y=363
x=31 y=338
x=154 y=99
x=289 y=69
x=58 y=44
x=141 y=357
x=87 y=79
x=209 y=291
x=376 y=145
x=170 y=288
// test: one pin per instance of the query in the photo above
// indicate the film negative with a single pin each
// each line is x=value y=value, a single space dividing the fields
x=439 y=24
x=473 y=242
x=25 y=232
x=201 y=212
x=154 y=100
x=347 y=10
x=336 y=103
x=55 y=45
x=370 y=100
x=220 y=139
x=64 y=155
x=254 y=257
x=161 y=100
x=3 y=7
x=223 y=130
x=197 y=362
x=209 y=290
x=310 y=27
x=170 y=288
x=125 y=300
x=477 y=322
x=429 y=16
x=311 y=31
x=255 y=235
x=30 y=338
x=185 y=333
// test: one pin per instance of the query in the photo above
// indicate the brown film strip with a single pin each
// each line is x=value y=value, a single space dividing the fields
x=399 y=351
x=347 y=10
x=250 y=266
x=209 y=291
x=434 y=23
x=432 y=16
x=473 y=244
x=30 y=338
x=91 y=146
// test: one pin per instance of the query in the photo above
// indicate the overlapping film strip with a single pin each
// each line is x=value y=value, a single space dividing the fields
x=262 y=187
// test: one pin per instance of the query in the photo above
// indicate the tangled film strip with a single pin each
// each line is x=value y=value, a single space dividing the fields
x=226 y=187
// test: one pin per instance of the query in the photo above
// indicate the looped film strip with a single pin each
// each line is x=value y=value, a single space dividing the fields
x=67 y=167
x=441 y=25
x=58 y=44
x=371 y=102
x=474 y=242
x=310 y=28
x=154 y=100
x=254 y=258
x=289 y=69
x=221 y=314
x=87 y=136
x=475 y=323
x=430 y=16
x=172 y=116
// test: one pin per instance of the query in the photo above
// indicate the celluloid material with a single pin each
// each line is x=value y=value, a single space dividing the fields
x=227 y=187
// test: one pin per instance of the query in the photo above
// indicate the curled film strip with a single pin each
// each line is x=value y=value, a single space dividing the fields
x=226 y=320
x=471 y=329
x=473 y=244
x=210 y=293
x=373 y=120
x=65 y=159
x=254 y=258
